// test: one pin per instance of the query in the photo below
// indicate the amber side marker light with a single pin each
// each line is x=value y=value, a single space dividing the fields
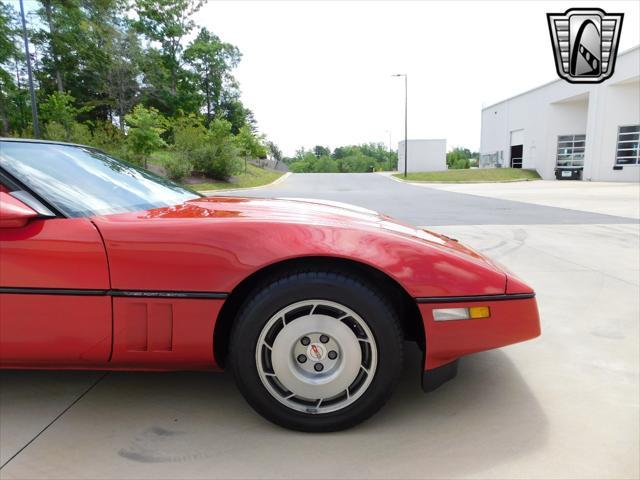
x=447 y=314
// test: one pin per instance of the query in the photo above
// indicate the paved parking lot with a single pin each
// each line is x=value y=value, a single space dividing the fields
x=565 y=405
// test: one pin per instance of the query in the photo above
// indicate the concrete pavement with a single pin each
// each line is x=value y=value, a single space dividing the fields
x=565 y=405
x=607 y=198
x=426 y=205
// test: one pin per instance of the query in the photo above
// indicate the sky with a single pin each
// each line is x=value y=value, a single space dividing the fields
x=319 y=72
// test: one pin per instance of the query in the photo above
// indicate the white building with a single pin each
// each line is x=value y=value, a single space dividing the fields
x=589 y=131
x=424 y=155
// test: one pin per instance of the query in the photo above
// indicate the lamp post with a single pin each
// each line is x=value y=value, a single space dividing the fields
x=34 y=107
x=406 y=143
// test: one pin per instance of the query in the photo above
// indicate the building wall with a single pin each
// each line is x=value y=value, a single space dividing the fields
x=424 y=155
x=561 y=108
x=619 y=106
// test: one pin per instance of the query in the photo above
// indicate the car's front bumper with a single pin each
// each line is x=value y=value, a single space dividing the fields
x=513 y=319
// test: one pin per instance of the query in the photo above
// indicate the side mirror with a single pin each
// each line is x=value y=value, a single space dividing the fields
x=14 y=213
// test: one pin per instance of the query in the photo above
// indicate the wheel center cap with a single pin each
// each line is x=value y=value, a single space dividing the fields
x=316 y=352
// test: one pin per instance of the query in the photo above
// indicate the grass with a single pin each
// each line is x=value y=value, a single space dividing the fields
x=255 y=177
x=472 y=175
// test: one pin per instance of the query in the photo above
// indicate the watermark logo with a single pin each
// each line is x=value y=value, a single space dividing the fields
x=585 y=43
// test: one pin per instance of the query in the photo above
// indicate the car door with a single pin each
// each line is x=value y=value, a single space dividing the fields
x=55 y=311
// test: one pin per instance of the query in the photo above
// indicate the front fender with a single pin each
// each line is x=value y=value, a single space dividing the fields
x=185 y=255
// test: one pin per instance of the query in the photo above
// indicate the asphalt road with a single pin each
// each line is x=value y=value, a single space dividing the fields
x=425 y=206
x=565 y=405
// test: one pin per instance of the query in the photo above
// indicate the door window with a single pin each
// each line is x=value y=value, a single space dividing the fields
x=627 y=151
x=570 y=151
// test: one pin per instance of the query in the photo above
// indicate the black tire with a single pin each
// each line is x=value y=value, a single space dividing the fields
x=349 y=291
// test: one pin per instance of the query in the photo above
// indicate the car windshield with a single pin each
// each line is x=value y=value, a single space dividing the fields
x=81 y=181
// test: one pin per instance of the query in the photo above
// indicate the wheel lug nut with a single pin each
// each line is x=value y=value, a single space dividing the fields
x=332 y=354
x=302 y=358
x=324 y=338
x=305 y=341
x=318 y=367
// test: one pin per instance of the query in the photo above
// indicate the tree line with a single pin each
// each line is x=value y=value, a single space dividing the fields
x=120 y=75
x=364 y=158
x=352 y=158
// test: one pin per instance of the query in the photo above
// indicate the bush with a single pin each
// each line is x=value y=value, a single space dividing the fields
x=188 y=134
x=108 y=138
x=326 y=165
x=55 y=131
x=213 y=152
x=145 y=127
x=458 y=158
x=80 y=133
x=358 y=163
x=59 y=113
x=300 y=166
x=345 y=159
x=217 y=160
x=459 y=163
x=177 y=167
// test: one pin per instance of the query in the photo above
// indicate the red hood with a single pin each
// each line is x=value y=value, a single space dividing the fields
x=312 y=211
x=242 y=235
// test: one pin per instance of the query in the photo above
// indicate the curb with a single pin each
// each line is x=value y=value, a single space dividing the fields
x=467 y=182
x=210 y=193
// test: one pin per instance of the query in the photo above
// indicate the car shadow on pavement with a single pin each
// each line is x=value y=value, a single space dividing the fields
x=484 y=417
x=196 y=424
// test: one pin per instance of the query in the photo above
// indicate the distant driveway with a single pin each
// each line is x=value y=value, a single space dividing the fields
x=426 y=205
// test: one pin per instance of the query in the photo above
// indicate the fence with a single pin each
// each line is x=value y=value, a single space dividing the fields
x=492 y=160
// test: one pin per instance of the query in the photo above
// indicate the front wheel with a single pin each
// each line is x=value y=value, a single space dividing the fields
x=317 y=351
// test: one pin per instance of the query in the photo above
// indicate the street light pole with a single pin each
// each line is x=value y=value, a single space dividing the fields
x=406 y=103
x=34 y=107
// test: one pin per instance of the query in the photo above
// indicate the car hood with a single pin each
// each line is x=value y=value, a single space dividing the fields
x=240 y=236
x=316 y=212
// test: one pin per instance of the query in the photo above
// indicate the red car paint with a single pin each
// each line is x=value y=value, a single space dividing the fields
x=217 y=242
x=210 y=245
x=511 y=321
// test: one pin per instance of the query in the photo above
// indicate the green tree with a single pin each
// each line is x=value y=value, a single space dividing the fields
x=145 y=127
x=325 y=164
x=55 y=39
x=357 y=162
x=348 y=158
x=377 y=156
x=212 y=61
x=122 y=87
x=107 y=137
x=8 y=52
x=274 y=151
x=188 y=133
x=59 y=113
x=167 y=23
x=250 y=145
x=320 y=151
x=76 y=48
x=458 y=158
x=218 y=156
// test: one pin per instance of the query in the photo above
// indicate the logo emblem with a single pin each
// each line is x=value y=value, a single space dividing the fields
x=585 y=43
x=316 y=352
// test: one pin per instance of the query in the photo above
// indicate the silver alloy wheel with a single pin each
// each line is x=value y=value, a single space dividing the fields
x=316 y=356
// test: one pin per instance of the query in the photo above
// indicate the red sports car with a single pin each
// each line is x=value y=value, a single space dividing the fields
x=107 y=266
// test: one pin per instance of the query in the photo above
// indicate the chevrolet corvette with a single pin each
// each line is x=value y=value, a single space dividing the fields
x=106 y=266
